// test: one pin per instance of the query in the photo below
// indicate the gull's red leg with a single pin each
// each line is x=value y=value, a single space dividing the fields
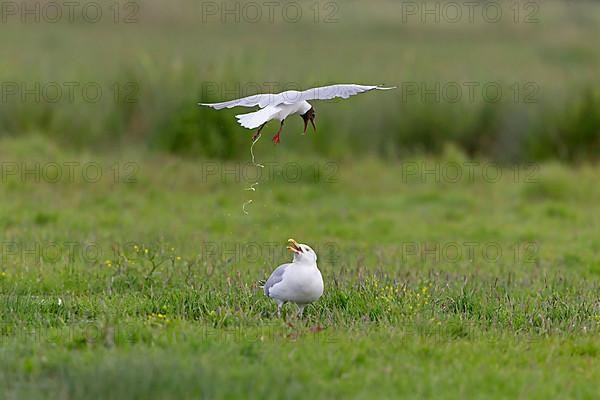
x=257 y=134
x=276 y=138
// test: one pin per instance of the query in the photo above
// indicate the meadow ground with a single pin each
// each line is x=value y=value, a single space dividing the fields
x=143 y=284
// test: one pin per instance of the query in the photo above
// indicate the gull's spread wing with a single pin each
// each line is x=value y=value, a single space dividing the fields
x=333 y=91
x=294 y=96
x=261 y=100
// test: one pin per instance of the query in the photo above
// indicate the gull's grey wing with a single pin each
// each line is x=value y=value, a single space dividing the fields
x=260 y=100
x=275 y=277
x=333 y=91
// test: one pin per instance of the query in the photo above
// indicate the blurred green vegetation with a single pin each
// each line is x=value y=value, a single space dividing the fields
x=171 y=59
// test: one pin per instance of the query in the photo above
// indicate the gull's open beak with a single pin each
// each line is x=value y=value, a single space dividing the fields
x=295 y=247
x=309 y=116
x=312 y=122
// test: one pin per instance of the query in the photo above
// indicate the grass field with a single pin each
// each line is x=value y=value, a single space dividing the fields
x=458 y=240
x=394 y=321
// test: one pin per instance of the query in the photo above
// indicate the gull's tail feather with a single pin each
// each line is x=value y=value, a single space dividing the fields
x=255 y=119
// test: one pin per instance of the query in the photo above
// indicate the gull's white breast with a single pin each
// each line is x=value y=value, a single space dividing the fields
x=301 y=283
x=285 y=110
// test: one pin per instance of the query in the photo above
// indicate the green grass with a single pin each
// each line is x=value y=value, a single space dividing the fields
x=390 y=324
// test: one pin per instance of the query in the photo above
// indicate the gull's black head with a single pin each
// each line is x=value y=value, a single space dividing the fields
x=309 y=116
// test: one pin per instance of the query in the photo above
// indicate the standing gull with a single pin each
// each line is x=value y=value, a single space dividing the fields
x=279 y=106
x=297 y=282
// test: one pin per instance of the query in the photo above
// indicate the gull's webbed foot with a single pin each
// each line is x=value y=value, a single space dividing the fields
x=276 y=138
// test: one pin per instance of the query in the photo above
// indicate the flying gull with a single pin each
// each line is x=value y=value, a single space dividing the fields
x=279 y=106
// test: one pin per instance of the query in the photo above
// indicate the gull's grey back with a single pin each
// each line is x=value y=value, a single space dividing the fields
x=275 y=277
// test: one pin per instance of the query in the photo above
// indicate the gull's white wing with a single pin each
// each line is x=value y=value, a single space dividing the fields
x=294 y=96
x=260 y=100
x=333 y=91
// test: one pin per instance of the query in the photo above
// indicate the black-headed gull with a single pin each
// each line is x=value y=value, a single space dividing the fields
x=297 y=282
x=279 y=106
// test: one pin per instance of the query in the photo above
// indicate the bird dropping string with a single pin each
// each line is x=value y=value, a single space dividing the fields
x=247 y=203
x=257 y=165
x=252 y=152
